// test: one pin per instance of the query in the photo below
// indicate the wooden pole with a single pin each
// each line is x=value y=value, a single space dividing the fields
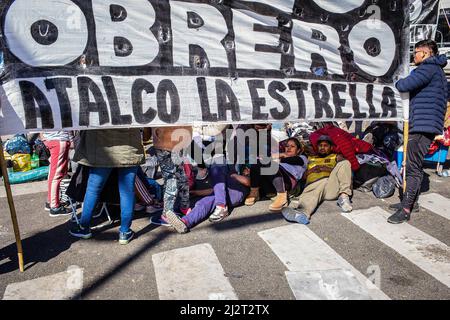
x=12 y=208
x=405 y=151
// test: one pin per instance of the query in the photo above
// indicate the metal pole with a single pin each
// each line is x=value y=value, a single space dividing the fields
x=405 y=150
x=12 y=208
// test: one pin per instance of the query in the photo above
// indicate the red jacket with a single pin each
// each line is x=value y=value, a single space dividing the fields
x=344 y=143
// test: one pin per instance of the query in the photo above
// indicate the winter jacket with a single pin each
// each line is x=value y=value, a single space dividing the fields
x=344 y=143
x=110 y=148
x=428 y=90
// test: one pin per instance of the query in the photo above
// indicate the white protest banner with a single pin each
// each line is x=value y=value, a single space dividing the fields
x=78 y=64
x=424 y=19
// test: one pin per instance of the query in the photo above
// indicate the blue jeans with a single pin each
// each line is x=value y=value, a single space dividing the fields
x=96 y=182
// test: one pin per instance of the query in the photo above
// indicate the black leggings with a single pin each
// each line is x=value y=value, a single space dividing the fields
x=279 y=182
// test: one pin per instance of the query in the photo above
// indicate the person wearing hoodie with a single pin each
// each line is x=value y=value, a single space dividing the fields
x=427 y=86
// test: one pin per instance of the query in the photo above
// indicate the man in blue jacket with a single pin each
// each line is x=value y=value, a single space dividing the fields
x=427 y=86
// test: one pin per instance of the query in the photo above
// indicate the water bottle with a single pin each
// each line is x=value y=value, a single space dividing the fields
x=34 y=161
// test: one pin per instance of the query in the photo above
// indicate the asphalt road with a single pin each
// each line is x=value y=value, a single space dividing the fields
x=254 y=271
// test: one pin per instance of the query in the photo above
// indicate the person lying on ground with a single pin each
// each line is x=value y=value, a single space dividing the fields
x=169 y=143
x=290 y=168
x=343 y=143
x=230 y=191
x=329 y=177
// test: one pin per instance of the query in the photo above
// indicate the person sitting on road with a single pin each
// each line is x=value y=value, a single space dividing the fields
x=291 y=168
x=229 y=191
x=329 y=177
x=169 y=143
x=343 y=143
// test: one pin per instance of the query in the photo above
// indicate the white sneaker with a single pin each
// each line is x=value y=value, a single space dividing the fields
x=219 y=214
x=344 y=203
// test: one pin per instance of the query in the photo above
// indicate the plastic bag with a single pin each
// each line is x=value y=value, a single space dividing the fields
x=32 y=175
x=17 y=144
x=21 y=162
x=6 y=155
x=42 y=151
x=384 y=187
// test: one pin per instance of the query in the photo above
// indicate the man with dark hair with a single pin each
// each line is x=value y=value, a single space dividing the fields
x=328 y=177
x=427 y=86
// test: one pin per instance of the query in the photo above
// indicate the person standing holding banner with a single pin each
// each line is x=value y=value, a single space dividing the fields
x=427 y=86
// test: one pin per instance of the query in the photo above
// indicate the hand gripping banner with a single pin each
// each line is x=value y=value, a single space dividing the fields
x=84 y=64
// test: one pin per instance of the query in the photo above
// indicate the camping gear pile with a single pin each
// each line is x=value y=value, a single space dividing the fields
x=26 y=160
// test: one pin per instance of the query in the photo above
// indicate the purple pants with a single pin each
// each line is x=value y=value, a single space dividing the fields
x=227 y=191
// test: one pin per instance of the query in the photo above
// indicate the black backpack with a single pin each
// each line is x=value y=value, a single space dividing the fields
x=43 y=153
x=367 y=175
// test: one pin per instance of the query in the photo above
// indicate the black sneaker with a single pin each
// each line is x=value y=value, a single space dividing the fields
x=399 y=217
x=395 y=207
x=47 y=206
x=59 y=212
x=78 y=231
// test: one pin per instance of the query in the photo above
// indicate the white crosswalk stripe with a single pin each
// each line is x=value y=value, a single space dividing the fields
x=436 y=203
x=25 y=188
x=316 y=270
x=192 y=273
x=60 y=286
x=423 y=250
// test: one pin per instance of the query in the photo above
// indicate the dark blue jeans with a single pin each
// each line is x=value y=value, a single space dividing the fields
x=96 y=182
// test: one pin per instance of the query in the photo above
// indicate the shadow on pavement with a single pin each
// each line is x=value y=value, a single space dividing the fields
x=48 y=244
x=40 y=247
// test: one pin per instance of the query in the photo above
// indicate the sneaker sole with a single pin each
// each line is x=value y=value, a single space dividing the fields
x=397 y=222
x=346 y=210
x=60 y=215
x=123 y=242
x=173 y=219
x=82 y=236
x=218 y=219
x=414 y=210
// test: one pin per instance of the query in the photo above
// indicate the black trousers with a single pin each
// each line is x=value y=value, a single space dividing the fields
x=418 y=146
x=279 y=181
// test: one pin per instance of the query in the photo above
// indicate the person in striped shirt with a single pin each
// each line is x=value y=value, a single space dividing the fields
x=58 y=143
